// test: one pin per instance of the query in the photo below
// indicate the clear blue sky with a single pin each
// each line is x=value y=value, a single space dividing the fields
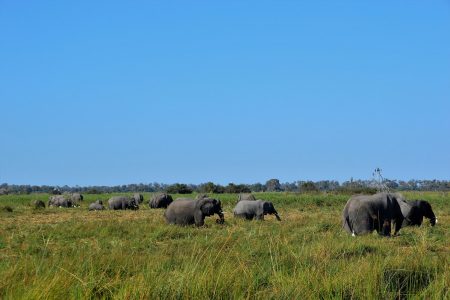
x=237 y=91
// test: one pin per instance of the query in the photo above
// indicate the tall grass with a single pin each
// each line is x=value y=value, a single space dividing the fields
x=73 y=253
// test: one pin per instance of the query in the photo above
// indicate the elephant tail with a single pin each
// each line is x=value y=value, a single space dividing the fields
x=348 y=226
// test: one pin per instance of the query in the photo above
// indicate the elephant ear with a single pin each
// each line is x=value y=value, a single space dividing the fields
x=266 y=207
x=426 y=209
x=207 y=206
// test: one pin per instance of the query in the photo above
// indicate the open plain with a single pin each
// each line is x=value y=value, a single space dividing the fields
x=62 y=253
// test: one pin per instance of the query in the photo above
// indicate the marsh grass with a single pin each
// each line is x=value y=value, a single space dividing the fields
x=73 y=253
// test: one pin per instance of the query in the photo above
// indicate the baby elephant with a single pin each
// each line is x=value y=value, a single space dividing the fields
x=38 y=204
x=187 y=211
x=122 y=202
x=97 y=205
x=250 y=209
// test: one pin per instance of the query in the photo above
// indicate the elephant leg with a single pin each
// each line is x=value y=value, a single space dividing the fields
x=398 y=225
x=199 y=218
x=374 y=223
x=386 y=227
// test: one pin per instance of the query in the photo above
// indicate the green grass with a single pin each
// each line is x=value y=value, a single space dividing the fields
x=61 y=253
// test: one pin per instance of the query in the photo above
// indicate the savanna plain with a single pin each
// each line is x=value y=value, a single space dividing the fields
x=72 y=253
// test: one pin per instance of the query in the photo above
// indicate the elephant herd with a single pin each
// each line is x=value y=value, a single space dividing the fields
x=362 y=214
x=365 y=213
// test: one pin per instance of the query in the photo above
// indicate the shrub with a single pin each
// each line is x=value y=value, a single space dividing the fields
x=178 y=188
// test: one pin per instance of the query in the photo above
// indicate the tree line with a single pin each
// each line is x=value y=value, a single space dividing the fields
x=271 y=185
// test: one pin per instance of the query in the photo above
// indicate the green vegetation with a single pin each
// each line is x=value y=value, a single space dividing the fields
x=61 y=253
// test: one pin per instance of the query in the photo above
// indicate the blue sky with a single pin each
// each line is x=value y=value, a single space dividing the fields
x=232 y=91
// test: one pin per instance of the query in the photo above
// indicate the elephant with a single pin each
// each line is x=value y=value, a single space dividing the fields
x=97 y=205
x=76 y=197
x=414 y=211
x=60 y=201
x=250 y=209
x=122 y=202
x=246 y=196
x=138 y=198
x=161 y=200
x=38 y=204
x=184 y=211
x=363 y=214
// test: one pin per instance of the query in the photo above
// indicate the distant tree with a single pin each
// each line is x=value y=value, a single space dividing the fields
x=257 y=187
x=289 y=187
x=178 y=188
x=392 y=184
x=26 y=189
x=210 y=187
x=273 y=185
x=327 y=185
x=237 y=188
x=308 y=186
x=93 y=191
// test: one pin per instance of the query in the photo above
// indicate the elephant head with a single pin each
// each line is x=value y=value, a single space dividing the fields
x=209 y=207
x=269 y=209
x=420 y=209
x=133 y=204
x=428 y=212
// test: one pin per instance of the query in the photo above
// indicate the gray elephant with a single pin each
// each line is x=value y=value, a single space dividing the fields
x=138 y=198
x=122 y=202
x=365 y=213
x=38 y=204
x=250 y=209
x=97 y=205
x=76 y=198
x=161 y=200
x=246 y=196
x=59 y=201
x=186 y=211
x=414 y=211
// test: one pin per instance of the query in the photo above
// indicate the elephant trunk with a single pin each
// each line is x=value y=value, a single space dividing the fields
x=433 y=221
x=277 y=216
x=221 y=219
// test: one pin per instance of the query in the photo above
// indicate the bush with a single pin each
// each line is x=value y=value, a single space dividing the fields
x=178 y=188
x=308 y=187
x=93 y=191
x=237 y=189
x=211 y=188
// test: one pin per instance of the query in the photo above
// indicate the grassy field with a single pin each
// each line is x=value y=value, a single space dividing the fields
x=61 y=253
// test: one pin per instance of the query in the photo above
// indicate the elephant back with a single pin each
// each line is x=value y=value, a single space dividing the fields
x=76 y=197
x=139 y=198
x=246 y=196
x=161 y=200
